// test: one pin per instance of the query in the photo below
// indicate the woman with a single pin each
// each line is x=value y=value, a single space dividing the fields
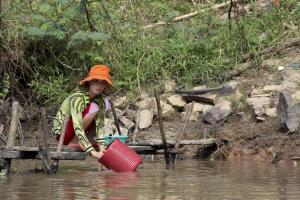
x=81 y=115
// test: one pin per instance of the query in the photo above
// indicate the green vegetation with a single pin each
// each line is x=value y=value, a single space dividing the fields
x=48 y=46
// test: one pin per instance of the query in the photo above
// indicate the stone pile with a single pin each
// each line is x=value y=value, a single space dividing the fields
x=210 y=108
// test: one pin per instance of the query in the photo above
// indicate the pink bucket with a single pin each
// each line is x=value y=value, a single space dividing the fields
x=120 y=158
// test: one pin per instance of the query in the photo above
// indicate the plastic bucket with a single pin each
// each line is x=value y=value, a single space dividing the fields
x=120 y=158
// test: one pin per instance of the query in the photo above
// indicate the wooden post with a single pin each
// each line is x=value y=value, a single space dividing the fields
x=162 y=132
x=54 y=165
x=43 y=144
x=13 y=124
x=136 y=129
x=11 y=136
x=181 y=133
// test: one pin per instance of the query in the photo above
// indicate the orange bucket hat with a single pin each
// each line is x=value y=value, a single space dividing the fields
x=99 y=72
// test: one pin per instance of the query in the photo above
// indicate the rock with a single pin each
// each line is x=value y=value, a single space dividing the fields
x=271 y=112
x=289 y=84
x=195 y=116
x=126 y=122
x=170 y=85
x=118 y=113
x=229 y=87
x=289 y=113
x=109 y=127
x=130 y=114
x=205 y=98
x=199 y=107
x=260 y=119
x=242 y=115
x=144 y=104
x=273 y=88
x=120 y=102
x=143 y=96
x=296 y=96
x=218 y=113
x=167 y=109
x=280 y=68
x=124 y=131
x=146 y=118
x=176 y=100
x=292 y=76
x=259 y=104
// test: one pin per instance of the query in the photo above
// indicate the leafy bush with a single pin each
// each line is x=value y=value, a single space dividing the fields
x=62 y=39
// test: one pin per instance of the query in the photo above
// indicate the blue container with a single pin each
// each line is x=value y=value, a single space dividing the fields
x=109 y=138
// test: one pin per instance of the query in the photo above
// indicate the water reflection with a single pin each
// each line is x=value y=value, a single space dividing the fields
x=121 y=180
x=190 y=180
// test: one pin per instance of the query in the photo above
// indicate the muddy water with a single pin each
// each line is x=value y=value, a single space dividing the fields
x=190 y=180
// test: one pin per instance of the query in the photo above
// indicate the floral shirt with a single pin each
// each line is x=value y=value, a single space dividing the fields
x=73 y=106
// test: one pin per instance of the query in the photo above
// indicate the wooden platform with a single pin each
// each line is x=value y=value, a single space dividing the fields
x=142 y=147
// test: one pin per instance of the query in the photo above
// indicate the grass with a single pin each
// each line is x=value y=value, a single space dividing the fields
x=198 y=50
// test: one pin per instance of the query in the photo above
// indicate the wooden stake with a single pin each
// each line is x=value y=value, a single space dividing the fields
x=43 y=144
x=187 y=117
x=11 y=136
x=54 y=165
x=136 y=129
x=161 y=128
x=181 y=133
x=13 y=124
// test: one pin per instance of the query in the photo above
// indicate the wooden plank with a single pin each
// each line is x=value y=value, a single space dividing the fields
x=36 y=149
x=68 y=155
x=30 y=148
x=144 y=149
x=12 y=154
x=157 y=142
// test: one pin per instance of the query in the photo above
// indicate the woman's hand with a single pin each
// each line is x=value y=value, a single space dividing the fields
x=97 y=154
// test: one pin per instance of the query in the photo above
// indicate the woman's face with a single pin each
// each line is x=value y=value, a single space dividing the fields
x=96 y=87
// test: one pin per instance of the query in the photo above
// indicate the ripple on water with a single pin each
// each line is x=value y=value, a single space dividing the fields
x=189 y=180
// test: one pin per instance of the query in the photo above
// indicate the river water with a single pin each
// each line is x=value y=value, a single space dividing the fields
x=191 y=179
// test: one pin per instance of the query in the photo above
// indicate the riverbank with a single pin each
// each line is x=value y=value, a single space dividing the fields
x=247 y=126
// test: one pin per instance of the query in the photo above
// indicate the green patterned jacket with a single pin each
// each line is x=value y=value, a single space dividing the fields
x=73 y=106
